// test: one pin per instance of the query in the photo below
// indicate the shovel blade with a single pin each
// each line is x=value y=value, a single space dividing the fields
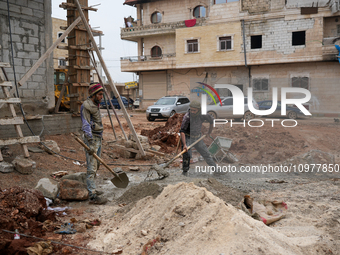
x=122 y=182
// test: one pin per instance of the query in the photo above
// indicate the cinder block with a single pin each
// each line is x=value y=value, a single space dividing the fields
x=26 y=11
x=38 y=14
x=39 y=93
x=21 y=2
x=24 y=165
x=28 y=93
x=29 y=47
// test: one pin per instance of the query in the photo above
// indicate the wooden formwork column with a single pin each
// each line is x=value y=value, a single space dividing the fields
x=79 y=59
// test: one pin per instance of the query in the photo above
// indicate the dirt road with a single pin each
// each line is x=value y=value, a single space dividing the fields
x=313 y=215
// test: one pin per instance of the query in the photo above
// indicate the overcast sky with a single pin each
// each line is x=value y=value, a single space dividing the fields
x=109 y=18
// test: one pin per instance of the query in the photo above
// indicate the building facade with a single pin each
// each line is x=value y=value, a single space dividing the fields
x=249 y=43
x=31 y=34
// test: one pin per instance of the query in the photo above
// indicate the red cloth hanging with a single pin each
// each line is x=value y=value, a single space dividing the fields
x=190 y=22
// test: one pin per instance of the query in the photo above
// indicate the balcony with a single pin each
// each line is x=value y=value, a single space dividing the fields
x=148 y=63
x=133 y=33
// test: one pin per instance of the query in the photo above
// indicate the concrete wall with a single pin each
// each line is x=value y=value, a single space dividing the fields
x=58 y=53
x=331 y=26
x=32 y=35
x=209 y=53
x=172 y=11
x=166 y=42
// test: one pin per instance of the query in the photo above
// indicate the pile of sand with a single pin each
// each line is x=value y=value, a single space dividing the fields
x=189 y=220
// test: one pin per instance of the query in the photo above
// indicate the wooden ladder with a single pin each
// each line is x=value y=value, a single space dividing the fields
x=15 y=120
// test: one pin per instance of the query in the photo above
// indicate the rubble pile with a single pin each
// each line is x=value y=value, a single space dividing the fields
x=166 y=136
x=24 y=210
x=186 y=219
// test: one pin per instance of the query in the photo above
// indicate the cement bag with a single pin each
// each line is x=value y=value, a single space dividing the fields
x=264 y=210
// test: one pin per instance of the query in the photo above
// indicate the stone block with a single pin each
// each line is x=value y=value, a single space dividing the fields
x=24 y=165
x=6 y=167
x=51 y=145
x=73 y=190
x=48 y=187
x=142 y=139
x=26 y=11
x=80 y=177
x=29 y=47
x=27 y=93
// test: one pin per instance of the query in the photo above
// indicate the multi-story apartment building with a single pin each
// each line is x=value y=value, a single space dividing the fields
x=287 y=43
x=59 y=55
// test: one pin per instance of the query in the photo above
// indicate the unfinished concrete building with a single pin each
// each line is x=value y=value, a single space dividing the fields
x=287 y=43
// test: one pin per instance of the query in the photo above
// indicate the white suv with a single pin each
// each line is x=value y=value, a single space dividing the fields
x=167 y=106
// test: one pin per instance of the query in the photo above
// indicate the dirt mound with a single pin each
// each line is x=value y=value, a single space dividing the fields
x=165 y=136
x=228 y=195
x=24 y=210
x=186 y=219
x=140 y=191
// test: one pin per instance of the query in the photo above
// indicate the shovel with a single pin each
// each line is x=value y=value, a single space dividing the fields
x=160 y=168
x=121 y=180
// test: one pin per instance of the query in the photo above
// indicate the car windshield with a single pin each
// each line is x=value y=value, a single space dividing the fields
x=166 y=101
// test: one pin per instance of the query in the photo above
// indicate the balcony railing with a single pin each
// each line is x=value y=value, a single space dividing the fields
x=149 y=58
x=160 y=27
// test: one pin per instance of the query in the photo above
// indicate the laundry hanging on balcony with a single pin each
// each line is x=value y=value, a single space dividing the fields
x=190 y=22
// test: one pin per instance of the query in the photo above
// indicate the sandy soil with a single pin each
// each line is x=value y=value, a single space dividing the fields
x=312 y=221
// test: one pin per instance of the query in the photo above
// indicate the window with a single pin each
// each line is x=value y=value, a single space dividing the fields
x=300 y=82
x=199 y=12
x=59 y=35
x=224 y=1
x=192 y=46
x=62 y=62
x=260 y=84
x=299 y=38
x=228 y=101
x=256 y=42
x=267 y=103
x=225 y=43
x=156 y=52
x=338 y=29
x=156 y=17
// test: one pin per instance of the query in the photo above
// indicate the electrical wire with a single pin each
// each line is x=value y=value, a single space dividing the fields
x=17 y=90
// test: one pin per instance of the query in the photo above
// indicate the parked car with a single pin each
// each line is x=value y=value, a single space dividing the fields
x=167 y=106
x=291 y=112
x=115 y=103
x=226 y=110
x=136 y=103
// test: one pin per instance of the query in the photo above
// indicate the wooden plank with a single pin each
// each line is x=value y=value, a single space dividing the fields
x=84 y=84
x=83 y=29
x=3 y=64
x=6 y=84
x=113 y=87
x=48 y=52
x=1 y=158
x=83 y=67
x=156 y=152
x=68 y=5
x=10 y=100
x=12 y=121
x=131 y=149
x=20 y=140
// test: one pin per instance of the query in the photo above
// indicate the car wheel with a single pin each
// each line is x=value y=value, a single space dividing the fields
x=292 y=115
x=172 y=113
x=213 y=114
x=248 y=116
x=150 y=118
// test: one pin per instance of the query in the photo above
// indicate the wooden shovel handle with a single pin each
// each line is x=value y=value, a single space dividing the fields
x=96 y=156
x=191 y=145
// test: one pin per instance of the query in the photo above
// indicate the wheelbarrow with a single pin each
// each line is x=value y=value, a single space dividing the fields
x=219 y=149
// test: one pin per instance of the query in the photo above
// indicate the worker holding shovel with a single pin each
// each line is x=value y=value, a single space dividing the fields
x=191 y=132
x=93 y=129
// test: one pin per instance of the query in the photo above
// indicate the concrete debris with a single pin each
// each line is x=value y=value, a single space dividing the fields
x=155 y=147
x=134 y=168
x=51 y=145
x=73 y=190
x=35 y=150
x=144 y=232
x=142 y=138
x=24 y=165
x=48 y=188
x=6 y=167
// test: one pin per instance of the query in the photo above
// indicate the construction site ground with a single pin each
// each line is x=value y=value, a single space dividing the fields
x=311 y=225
